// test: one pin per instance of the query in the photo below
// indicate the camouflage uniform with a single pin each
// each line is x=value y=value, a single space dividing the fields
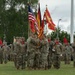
x=63 y=52
x=56 y=57
x=67 y=54
x=37 y=54
x=1 y=55
x=49 y=58
x=17 y=54
x=5 y=49
x=31 y=51
x=23 y=55
x=73 y=45
x=44 y=53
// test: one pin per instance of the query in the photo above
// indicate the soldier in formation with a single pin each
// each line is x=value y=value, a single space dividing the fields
x=50 y=54
x=68 y=52
x=73 y=45
x=1 y=56
x=33 y=51
x=56 y=58
x=36 y=53
x=44 y=52
x=19 y=53
x=6 y=51
x=1 y=52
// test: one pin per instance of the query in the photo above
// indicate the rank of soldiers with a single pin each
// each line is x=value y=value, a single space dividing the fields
x=35 y=53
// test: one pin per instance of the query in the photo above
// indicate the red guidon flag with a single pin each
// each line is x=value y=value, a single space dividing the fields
x=49 y=20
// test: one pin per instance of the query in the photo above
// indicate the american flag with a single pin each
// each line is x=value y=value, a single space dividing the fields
x=32 y=19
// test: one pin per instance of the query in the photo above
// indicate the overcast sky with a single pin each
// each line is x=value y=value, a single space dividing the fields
x=59 y=9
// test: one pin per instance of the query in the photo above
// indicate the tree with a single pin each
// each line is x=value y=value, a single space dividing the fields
x=61 y=35
x=14 y=18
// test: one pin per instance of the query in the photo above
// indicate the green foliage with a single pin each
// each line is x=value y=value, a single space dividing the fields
x=61 y=35
x=14 y=18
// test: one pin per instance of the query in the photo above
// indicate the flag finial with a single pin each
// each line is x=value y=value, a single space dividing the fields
x=46 y=5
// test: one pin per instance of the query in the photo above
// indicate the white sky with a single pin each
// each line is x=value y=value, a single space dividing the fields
x=59 y=9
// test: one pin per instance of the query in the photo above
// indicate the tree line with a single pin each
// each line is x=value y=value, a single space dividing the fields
x=14 y=20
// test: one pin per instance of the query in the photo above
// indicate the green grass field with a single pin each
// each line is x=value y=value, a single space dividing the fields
x=9 y=69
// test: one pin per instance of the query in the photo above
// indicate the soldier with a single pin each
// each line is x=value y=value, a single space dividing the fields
x=56 y=56
x=63 y=52
x=20 y=56
x=17 y=55
x=44 y=52
x=1 y=56
x=23 y=51
x=5 y=49
x=37 y=53
x=1 y=43
x=68 y=52
x=49 y=58
x=31 y=46
x=1 y=52
x=73 y=45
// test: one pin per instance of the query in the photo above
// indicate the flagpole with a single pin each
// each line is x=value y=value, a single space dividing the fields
x=29 y=31
x=58 y=29
x=72 y=21
x=28 y=24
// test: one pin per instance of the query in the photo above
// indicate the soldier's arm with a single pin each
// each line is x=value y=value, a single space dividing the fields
x=33 y=41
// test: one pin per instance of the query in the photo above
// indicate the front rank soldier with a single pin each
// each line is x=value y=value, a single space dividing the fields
x=31 y=46
x=23 y=51
x=44 y=52
x=37 y=53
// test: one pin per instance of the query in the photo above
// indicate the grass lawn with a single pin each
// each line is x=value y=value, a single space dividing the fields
x=9 y=69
